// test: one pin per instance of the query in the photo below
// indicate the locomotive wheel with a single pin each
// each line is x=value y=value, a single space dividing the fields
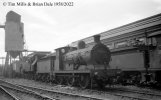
x=59 y=80
x=70 y=81
x=84 y=81
x=48 y=78
x=43 y=78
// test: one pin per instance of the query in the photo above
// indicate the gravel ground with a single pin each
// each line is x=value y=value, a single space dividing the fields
x=149 y=90
x=78 y=90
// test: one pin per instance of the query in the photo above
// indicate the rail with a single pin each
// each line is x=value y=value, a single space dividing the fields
x=10 y=94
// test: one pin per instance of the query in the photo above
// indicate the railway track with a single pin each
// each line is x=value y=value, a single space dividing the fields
x=23 y=93
x=146 y=93
x=130 y=94
x=122 y=94
x=50 y=94
x=6 y=95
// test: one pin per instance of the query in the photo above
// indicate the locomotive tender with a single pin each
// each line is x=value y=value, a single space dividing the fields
x=136 y=50
x=80 y=66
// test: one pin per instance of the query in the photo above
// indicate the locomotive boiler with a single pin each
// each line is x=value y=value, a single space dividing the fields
x=96 y=55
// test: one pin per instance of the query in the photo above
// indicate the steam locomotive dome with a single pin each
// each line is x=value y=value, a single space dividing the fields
x=94 y=54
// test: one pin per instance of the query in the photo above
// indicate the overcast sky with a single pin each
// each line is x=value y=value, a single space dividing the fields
x=47 y=28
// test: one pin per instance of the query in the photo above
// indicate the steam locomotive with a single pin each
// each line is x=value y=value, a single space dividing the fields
x=81 y=65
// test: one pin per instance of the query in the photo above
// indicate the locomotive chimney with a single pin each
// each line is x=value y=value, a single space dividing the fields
x=96 y=38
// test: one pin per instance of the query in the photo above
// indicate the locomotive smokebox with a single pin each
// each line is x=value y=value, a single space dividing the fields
x=97 y=38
